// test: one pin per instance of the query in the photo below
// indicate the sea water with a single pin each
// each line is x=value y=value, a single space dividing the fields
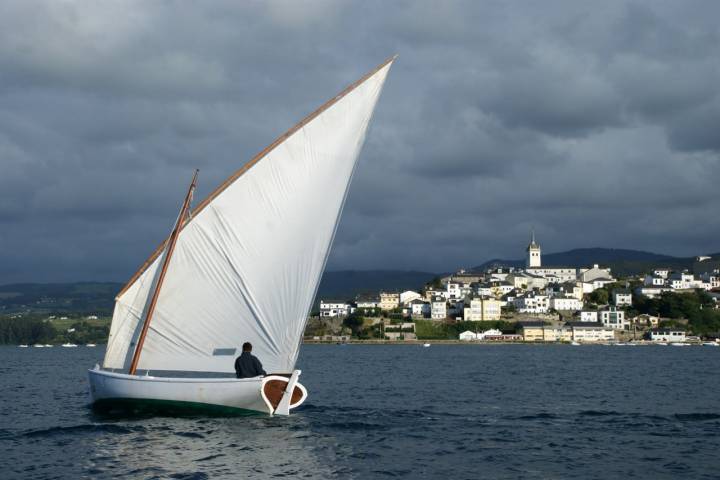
x=448 y=411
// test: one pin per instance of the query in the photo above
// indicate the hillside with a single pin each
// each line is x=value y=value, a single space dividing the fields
x=621 y=261
x=346 y=284
x=85 y=298
x=99 y=298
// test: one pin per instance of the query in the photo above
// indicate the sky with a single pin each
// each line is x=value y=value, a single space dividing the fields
x=596 y=123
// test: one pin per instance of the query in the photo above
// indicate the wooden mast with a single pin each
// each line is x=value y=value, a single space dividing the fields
x=172 y=240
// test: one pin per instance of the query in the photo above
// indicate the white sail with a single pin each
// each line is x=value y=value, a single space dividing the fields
x=247 y=265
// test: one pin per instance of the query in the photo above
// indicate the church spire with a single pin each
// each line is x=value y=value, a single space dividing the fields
x=533 y=259
x=533 y=244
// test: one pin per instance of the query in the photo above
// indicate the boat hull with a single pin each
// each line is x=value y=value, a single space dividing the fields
x=219 y=395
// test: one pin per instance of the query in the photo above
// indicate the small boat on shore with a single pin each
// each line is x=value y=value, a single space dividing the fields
x=711 y=344
x=574 y=343
x=39 y=345
x=23 y=346
x=68 y=345
x=426 y=345
x=90 y=345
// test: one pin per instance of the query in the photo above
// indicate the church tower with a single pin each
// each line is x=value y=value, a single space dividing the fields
x=533 y=253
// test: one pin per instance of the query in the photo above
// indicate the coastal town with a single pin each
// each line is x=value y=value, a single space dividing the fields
x=537 y=303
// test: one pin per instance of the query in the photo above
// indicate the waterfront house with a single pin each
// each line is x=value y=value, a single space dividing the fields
x=667 y=335
x=589 y=316
x=556 y=333
x=532 y=330
x=468 y=336
x=613 y=318
x=590 y=332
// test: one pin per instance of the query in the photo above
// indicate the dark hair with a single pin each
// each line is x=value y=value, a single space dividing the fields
x=247 y=347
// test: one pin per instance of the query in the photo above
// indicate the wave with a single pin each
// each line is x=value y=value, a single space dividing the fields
x=85 y=428
x=696 y=417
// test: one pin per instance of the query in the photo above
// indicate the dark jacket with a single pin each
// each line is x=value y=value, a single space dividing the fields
x=247 y=366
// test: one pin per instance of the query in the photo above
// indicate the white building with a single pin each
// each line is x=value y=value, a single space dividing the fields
x=483 y=308
x=566 y=303
x=419 y=308
x=661 y=272
x=667 y=336
x=438 y=308
x=491 y=333
x=712 y=279
x=654 y=281
x=682 y=281
x=651 y=291
x=555 y=274
x=613 y=318
x=468 y=336
x=590 y=332
x=408 y=296
x=532 y=303
x=389 y=300
x=454 y=290
x=334 y=309
x=533 y=258
x=526 y=280
x=594 y=273
x=589 y=316
x=498 y=274
x=366 y=302
x=622 y=297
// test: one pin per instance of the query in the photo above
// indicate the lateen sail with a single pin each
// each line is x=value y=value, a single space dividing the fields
x=247 y=265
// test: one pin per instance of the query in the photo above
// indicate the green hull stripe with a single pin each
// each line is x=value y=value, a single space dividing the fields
x=171 y=407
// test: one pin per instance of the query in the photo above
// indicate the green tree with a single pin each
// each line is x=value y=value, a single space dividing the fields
x=354 y=322
x=599 y=296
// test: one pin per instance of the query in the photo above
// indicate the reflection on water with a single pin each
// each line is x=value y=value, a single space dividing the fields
x=236 y=447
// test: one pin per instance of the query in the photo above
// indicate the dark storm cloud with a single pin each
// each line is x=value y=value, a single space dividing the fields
x=596 y=123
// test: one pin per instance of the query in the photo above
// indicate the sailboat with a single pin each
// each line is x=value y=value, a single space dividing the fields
x=243 y=266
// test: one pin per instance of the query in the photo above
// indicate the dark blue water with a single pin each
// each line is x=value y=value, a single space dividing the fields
x=503 y=411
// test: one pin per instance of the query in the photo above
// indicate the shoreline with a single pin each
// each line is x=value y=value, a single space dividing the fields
x=483 y=343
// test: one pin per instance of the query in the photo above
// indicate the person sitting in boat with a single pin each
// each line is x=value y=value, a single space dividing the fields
x=247 y=365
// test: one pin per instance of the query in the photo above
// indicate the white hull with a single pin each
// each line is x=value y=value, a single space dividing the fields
x=225 y=393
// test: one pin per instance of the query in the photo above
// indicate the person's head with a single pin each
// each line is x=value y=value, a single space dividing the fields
x=247 y=347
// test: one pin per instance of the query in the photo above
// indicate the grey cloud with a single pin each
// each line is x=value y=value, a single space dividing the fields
x=593 y=122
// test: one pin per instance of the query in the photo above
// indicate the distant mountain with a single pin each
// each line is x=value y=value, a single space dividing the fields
x=345 y=284
x=86 y=297
x=99 y=298
x=620 y=261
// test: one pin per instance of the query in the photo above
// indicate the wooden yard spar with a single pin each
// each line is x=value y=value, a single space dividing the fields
x=166 y=261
